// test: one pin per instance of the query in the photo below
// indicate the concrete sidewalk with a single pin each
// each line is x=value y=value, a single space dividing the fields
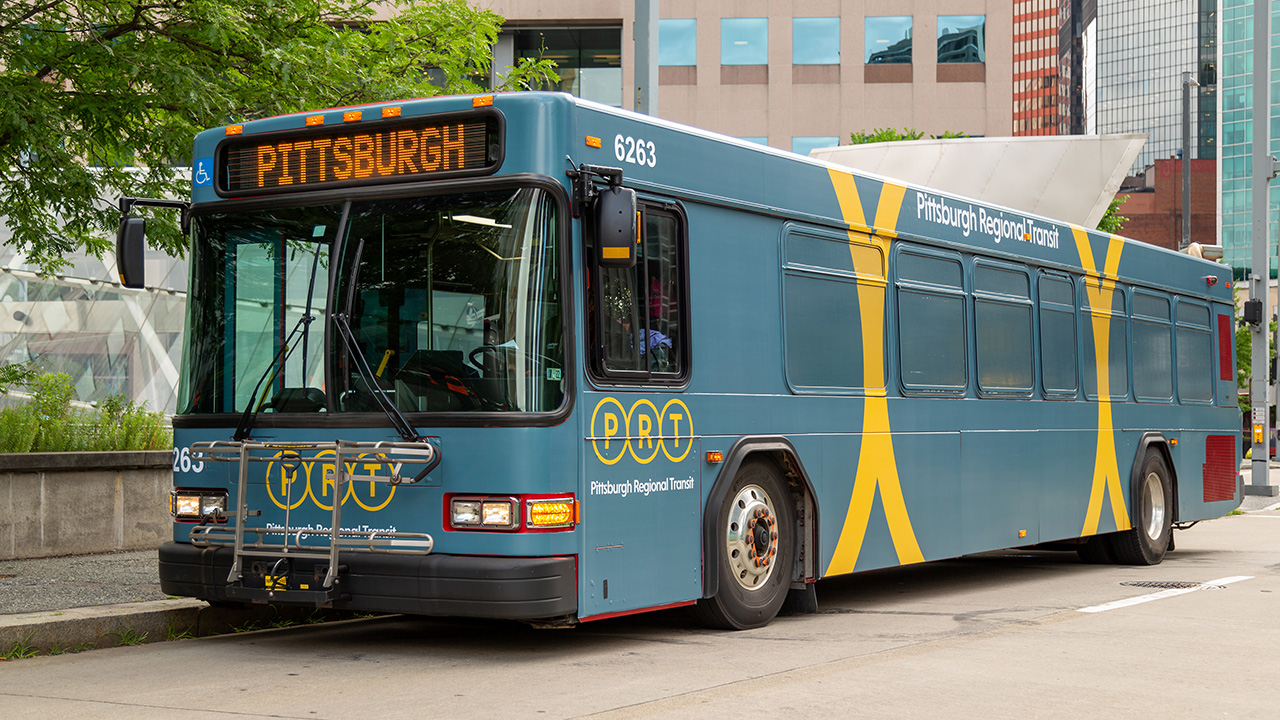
x=82 y=602
x=69 y=604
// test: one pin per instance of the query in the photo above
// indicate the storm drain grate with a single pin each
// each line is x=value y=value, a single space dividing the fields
x=1170 y=585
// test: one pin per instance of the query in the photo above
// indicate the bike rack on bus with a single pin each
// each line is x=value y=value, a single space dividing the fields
x=292 y=455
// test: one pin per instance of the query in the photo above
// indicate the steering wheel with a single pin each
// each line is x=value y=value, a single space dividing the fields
x=476 y=356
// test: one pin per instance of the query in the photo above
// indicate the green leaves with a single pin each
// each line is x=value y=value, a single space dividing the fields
x=101 y=98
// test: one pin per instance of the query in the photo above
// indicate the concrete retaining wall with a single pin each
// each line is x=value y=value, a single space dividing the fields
x=79 y=503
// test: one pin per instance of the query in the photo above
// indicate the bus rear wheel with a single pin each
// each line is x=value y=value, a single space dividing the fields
x=755 y=550
x=1147 y=542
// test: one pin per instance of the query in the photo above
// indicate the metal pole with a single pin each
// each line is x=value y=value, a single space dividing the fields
x=1261 y=259
x=645 y=35
x=1188 y=81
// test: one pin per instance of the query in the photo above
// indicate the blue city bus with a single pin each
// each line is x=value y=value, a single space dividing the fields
x=526 y=356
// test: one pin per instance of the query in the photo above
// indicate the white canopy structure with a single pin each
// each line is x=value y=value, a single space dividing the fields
x=1064 y=177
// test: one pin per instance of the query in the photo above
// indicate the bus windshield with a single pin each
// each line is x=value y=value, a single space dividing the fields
x=453 y=301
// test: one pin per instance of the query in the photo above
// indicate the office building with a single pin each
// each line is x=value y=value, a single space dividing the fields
x=792 y=75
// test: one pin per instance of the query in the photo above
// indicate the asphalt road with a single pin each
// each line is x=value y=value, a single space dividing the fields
x=997 y=635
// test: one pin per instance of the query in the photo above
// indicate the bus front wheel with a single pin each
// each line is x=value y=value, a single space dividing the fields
x=755 y=550
x=1149 y=539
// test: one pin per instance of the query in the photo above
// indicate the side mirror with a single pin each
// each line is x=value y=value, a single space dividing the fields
x=617 y=227
x=130 y=242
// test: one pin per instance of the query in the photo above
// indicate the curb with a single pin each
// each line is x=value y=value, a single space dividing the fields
x=104 y=626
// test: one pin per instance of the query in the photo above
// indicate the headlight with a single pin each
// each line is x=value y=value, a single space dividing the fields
x=466 y=512
x=496 y=513
x=193 y=505
x=484 y=513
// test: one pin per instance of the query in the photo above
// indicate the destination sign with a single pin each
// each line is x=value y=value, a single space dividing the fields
x=357 y=155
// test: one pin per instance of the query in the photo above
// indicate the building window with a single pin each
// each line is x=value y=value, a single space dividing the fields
x=588 y=60
x=962 y=39
x=803 y=145
x=744 y=41
x=815 y=41
x=888 y=40
x=678 y=42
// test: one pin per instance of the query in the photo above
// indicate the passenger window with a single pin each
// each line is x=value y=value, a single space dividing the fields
x=639 y=316
x=1058 y=366
x=932 y=330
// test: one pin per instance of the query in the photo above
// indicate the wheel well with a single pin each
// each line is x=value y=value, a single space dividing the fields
x=782 y=454
x=1152 y=441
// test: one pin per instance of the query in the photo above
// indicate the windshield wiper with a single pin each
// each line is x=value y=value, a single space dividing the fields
x=398 y=420
x=286 y=349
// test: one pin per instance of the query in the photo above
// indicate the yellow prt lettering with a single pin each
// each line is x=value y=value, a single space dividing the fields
x=675 y=429
x=610 y=428
x=645 y=427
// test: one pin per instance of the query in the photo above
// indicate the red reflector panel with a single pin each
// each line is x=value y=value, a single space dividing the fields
x=1219 y=468
x=1226 y=349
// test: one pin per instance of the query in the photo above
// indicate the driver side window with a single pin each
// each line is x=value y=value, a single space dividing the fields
x=639 y=313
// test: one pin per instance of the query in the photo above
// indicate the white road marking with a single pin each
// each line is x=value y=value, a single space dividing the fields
x=1161 y=595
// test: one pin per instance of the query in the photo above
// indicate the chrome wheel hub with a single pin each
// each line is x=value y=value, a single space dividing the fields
x=751 y=538
x=1154 y=507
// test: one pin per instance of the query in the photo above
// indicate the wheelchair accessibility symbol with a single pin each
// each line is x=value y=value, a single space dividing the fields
x=642 y=431
x=203 y=174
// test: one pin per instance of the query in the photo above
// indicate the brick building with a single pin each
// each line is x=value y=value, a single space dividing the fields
x=1154 y=207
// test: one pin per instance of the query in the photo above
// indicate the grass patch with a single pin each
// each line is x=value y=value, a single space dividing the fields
x=57 y=649
x=173 y=632
x=1237 y=511
x=129 y=636
x=20 y=650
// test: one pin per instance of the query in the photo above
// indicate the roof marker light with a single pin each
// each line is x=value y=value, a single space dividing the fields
x=391 y=112
x=235 y=129
x=482 y=101
x=315 y=120
x=351 y=116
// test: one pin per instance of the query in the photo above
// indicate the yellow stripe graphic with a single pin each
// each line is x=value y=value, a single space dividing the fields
x=1101 y=289
x=877 y=468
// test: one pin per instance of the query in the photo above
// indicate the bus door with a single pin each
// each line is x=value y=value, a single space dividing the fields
x=642 y=482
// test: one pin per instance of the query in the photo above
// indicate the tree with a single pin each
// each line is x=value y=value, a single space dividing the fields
x=1112 y=221
x=101 y=98
x=893 y=135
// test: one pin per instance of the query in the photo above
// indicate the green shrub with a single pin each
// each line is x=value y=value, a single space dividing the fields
x=50 y=424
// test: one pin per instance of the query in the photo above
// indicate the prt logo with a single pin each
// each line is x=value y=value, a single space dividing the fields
x=641 y=431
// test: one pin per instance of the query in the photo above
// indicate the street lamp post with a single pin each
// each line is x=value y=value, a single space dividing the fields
x=1188 y=82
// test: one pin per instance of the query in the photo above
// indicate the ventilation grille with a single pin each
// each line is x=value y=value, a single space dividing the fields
x=1171 y=585
x=1219 y=468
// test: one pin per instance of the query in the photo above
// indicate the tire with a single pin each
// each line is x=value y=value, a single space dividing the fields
x=1148 y=541
x=754 y=567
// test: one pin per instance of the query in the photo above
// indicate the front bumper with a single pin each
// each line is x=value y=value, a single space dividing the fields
x=445 y=585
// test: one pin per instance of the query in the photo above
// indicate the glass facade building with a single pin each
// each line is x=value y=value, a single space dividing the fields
x=1143 y=47
x=1035 y=67
x=1236 y=164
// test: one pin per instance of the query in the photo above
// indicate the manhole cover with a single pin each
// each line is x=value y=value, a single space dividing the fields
x=1170 y=585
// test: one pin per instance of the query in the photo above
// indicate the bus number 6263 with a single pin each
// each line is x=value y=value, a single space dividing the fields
x=635 y=151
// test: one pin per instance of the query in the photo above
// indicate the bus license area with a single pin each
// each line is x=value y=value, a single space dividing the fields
x=293 y=483
x=362 y=156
